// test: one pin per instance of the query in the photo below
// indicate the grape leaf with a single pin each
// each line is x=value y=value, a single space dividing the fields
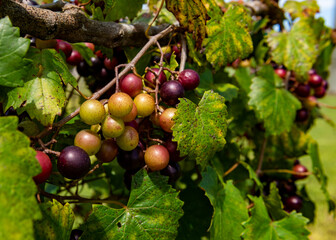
x=229 y=37
x=319 y=172
x=117 y=9
x=43 y=92
x=297 y=49
x=260 y=226
x=229 y=207
x=197 y=214
x=275 y=105
x=274 y=204
x=200 y=130
x=253 y=175
x=301 y=9
x=192 y=15
x=56 y=223
x=152 y=212
x=13 y=48
x=227 y=90
x=242 y=76
x=18 y=165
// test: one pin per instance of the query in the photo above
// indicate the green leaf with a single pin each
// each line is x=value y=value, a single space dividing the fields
x=43 y=92
x=18 y=165
x=242 y=76
x=226 y=90
x=192 y=51
x=274 y=204
x=197 y=214
x=275 y=105
x=301 y=9
x=200 y=130
x=13 y=48
x=260 y=226
x=229 y=208
x=117 y=9
x=253 y=175
x=56 y=223
x=229 y=37
x=84 y=51
x=319 y=172
x=192 y=15
x=297 y=49
x=152 y=212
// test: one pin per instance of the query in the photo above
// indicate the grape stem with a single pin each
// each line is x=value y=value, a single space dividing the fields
x=78 y=199
x=183 y=53
x=287 y=171
x=234 y=166
x=98 y=165
x=99 y=93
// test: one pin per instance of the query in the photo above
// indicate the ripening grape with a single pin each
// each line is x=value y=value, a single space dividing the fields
x=145 y=104
x=157 y=157
x=108 y=151
x=88 y=140
x=46 y=167
x=112 y=127
x=120 y=104
x=129 y=139
x=166 y=119
x=92 y=112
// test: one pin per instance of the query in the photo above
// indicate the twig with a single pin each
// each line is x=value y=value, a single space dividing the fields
x=183 y=53
x=286 y=171
x=91 y=171
x=261 y=158
x=326 y=105
x=234 y=166
x=156 y=15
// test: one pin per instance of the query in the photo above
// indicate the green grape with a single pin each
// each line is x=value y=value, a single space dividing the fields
x=129 y=139
x=88 y=140
x=112 y=127
x=145 y=104
x=92 y=112
x=120 y=104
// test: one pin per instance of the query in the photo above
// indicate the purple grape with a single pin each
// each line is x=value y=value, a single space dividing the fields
x=303 y=90
x=171 y=91
x=73 y=162
x=302 y=115
x=174 y=154
x=189 y=79
x=293 y=203
x=131 y=160
x=173 y=171
x=315 y=80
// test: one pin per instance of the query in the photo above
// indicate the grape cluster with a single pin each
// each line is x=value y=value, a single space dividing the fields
x=131 y=125
x=307 y=92
x=291 y=199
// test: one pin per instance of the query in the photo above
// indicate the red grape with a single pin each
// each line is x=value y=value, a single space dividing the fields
x=131 y=84
x=171 y=91
x=65 y=47
x=151 y=77
x=189 y=79
x=108 y=151
x=157 y=157
x=46 y=166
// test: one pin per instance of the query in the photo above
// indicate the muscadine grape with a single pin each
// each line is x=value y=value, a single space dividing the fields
x=302 y=115
x=75 y=58
x=108 y=151
x=189 y=79
x=83 y=69
x=145 y=104
x=310 y=102
x=88 y=140
x=129 y=139
x=120 y=104
x=286 y=187
x=134 y=124
x=299 y=168
x=65 y=47
x=132 y=115
x=155 y=118
x=157 y=157
x=131 y=160
x=166 y=119
x=303 y=90
x=46 y=166
x=315 y=80
x=90 y=45
x=281 y=72
x=73 y=162
x=150 y=76
x=171 y=91
x=110 y=64
x=92 y=112
x=131 y=84
x=75 y=234
x=293 y=203
x=112 y=127
x=96 y=64
x=177 y=50
x=319 y=92
x=174 y=154
x=173 y=171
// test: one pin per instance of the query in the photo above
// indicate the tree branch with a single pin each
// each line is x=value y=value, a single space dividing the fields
x=73 y=26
